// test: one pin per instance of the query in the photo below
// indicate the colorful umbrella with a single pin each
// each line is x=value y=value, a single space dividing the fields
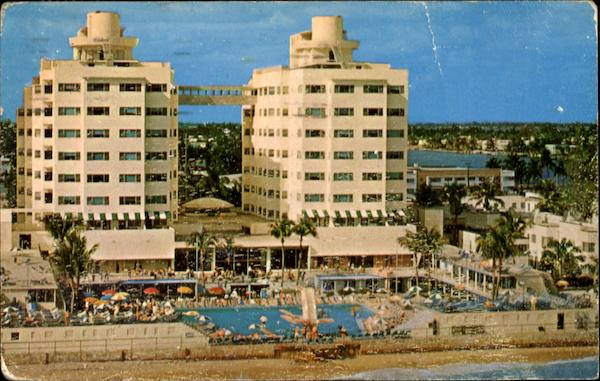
x=100 y=302
x=106 y=297
x=151 y=291
x=185 y=290
x=216 y=291
x=562 y=283
x=109 y=292
x=90 y=299
x=118 y=297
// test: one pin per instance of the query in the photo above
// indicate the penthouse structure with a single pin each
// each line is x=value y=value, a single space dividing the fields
x=97 y=135
x=325 y=137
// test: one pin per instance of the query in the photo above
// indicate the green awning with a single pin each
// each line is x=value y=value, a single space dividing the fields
x=138 y=217
x=80 y=216
x=337 y=214
x=102 y=217
x=168 y=214
x=315 y=214
x=380 y=213
x=126 y=216
x=306 y=217
x=369 y=214
x=115 y=217
x=90 y=216
x=359 y=214
x=348 y=214
x=326 y=214
x=157 y=215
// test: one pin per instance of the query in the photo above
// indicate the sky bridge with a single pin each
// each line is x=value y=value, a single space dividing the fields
x=215 y=95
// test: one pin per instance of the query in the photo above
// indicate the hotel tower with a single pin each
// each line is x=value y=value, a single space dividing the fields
x=327 y=136
x=97 y=135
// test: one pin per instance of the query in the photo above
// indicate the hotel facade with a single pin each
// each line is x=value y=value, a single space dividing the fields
x=97 y=135
x=326 y=138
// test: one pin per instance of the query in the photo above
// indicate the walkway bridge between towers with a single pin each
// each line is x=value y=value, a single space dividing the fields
x=215 y=95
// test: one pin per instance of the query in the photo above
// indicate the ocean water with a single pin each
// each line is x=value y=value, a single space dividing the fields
x=426 y=158
x=579 y=369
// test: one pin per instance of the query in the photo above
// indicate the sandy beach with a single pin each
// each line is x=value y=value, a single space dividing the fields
x=273 y=369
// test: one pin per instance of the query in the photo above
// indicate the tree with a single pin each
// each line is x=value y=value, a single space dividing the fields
x=202 y=241
x=426 y=196
x=592 y=268
x=551 y=199
x=486 y=194
x=281 y=230
x=514 y=227
x=8 y=149
x=561 y=257
x=492 y=245
x=423 y=244
x=303 y=229
x=453 y=194
x=71 y=259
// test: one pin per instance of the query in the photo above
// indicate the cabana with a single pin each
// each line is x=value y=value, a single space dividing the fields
x=337 y=282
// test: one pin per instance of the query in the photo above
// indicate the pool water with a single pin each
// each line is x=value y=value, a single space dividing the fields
x=238 y=319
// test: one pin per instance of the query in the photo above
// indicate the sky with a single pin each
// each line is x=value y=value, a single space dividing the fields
x=467 y=61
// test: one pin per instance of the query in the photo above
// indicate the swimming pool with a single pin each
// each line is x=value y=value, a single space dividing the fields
x=238 y=319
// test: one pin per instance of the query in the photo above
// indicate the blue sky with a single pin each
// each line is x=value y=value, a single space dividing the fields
x=467 y=61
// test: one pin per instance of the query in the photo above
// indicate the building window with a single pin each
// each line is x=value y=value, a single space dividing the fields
x=130 y=178
x=395 y=89
x=313 y=89
x=68 y=200
x=98 y=133
x=311 y=155
x=156 y=199
x=68 y=178
x=69 y=87
x=343 y=133
x=343 y=176
x=98 y=87
x=348 y=89
x=97 y=178
x=372 y=155
x=371 y=197
x=130 y=87
x=97 y=156
x=395 y=133
x=156 y=177
x=372 y=111
x=393 y=197
x=156 y=133
x=343 y=155
x=69 y=111
x=371 y=89
x=97 y=200
x=156 y=111
x=130 y=111
x=371 y=176
x=315 y=112
x=394 y=176
x=309 y=176
x=130 y=133
x=391 y=155
x=156 y=88
x=125 y=156
x=130 y=200
x=588 y=247
x=156 y=156
x=98 y=111
x=314 y=133
x=372 y=133
x=343 y=111
x=343 y=198
x=395 y=112
x=69 y=156
x=69 y=133
x=314 y=197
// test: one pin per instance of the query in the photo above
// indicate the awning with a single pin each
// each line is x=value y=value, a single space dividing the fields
x=315 y=213
x=321 y=215
x=400 y=213
x=370 y=214
x=306 y=217
x=138 y=216
x=115 y=217
x=359 y=214
x=80 y=216
x=157 y=215
x=380 y=214
x=125 y=216
x=163 y=216
x=337 y=214
x=90 y=216
x=348 y=214
x=353 y=213
x=389 y=213
x=149 y=215
x=69 y=216
x=168 y=214
x=326 y=214
x=102 y=217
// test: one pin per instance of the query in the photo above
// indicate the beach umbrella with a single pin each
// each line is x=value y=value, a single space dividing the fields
x=562 y=283
x=348 y=289
x=263 y=319
x=151 y=291
x=88 y=293
x=436 y=296
x=191 y=313
x=106 y=297
x=122 y=293
x=415 y=289
x=90 y=299
x=381 y=290
x=100 y=302
x=118 y=297
x=184 y=290
x=207 y=203
x=109 y=292
x=216 y=291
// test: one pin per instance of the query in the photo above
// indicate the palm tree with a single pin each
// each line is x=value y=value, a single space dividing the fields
x=426 y=196
x=561 y=256
x=551 y=199
x=302 y=229
x=72 y=259
x=592 y=268
x=281 y=230
x=424 y=243
x=493 y=245
x=486 y=194
x=453 y=193
x=201 y=241
x=514 y=227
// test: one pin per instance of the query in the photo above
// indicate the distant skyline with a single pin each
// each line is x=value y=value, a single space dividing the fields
x=467 y=61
